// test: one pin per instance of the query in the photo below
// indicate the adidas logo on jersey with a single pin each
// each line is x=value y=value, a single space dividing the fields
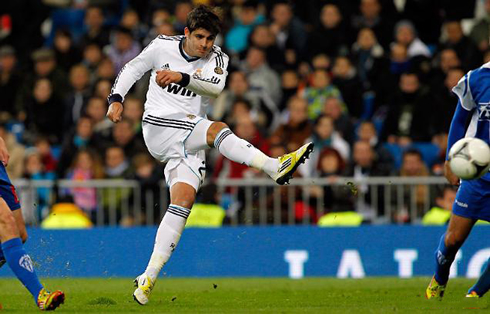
x=166 y=66
x=177 y=89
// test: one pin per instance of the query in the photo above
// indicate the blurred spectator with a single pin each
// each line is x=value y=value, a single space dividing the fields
x=10 y=82
x=318 y=92
x=149 y=174
x=263 y=38
x=96 y=110
x=367 y=132
x=480 y=33
x=44 y=67
x=96 y=32
x=92 y=55
x=260 y=76
x=43 y=112
x=236 y=39
x=131 y=21
x=467 y=50
x=34 y=170
x=86 y=166
x=288 y=29
x=124 y=49
x=331 y=36
x=182 y=8
x=347 y=81
x=76 y=100
x=447 y=101
x=123 y=135
x=160 y=25
x=406 y=35
x=206 y=212
x=341 y=120
x=410 y=112
x=79 y=138
x=366 y=164
x=371 y=17
x=412 y=166
x=297 y=129
x=15 y=167
x=263 y=108
x=116 y=166
x=289 y=83
x=106 y=70
x=133 y=112
x=369 y=58
x=102 y=88
x=447 y=60
x=325 y=136
x=440 y=214
x=65 y=52
x=45 y=152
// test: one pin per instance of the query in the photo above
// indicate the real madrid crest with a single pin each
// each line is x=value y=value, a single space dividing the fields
x=218 y=70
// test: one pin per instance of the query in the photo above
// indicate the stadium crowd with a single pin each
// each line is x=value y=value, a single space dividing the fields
x=368 y=81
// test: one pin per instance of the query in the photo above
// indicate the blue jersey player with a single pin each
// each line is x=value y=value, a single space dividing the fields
x=473 y=197
x=12 y=235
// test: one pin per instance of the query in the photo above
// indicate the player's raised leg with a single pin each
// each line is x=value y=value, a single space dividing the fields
x=236 y=149
x=182 y=196
x=457 y=232
x=19 y=262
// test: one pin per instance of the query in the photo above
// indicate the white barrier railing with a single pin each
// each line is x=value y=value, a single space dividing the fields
x=250 y=201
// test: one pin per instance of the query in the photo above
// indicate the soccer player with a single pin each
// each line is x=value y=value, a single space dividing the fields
x=473 y=196
x=186 y=71
x=12 y=235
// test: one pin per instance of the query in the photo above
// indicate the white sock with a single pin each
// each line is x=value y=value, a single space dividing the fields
x=167 y=238
x=241 y=151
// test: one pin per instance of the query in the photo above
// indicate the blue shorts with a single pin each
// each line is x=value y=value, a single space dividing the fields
x=8 y=193
x=473 y=200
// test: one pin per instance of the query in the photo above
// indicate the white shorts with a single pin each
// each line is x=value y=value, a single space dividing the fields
x=179 y=140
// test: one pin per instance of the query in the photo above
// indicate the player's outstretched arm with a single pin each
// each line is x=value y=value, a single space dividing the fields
x=114 y=113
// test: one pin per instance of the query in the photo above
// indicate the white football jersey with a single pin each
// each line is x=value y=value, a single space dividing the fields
x=207 y=77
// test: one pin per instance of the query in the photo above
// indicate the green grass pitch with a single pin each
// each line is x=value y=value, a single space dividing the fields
x=249 y=295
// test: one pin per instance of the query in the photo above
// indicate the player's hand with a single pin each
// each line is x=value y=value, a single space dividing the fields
x=166 y=77
x=450 y=176
x=114 y=113
x=4 y=153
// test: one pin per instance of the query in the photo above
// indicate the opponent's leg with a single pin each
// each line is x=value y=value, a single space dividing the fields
x=182 y=196
x=482 y=285
x=457 y=232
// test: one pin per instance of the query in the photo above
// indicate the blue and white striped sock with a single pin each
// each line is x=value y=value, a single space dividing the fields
x=167 y=238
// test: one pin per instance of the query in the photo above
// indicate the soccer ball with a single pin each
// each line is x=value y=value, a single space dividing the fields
x=469 y=158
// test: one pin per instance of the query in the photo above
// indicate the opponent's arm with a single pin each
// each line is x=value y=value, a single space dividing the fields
x=457 y=129
x=129 y=74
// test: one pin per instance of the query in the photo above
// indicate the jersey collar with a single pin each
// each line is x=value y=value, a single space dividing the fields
x=185 y=55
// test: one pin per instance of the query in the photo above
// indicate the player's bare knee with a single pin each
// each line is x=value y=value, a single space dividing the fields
x=213 y=131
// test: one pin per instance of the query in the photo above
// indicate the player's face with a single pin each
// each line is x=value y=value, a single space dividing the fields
x=198 y=42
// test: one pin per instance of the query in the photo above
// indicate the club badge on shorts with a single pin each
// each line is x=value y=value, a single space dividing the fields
x=218 y=70
x=191 y=116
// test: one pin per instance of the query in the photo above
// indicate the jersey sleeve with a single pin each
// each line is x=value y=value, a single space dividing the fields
x=463 y=91
x=210 y=80
x=133 y=71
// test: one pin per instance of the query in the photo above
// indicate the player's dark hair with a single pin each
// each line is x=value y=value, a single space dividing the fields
x=204 y=17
